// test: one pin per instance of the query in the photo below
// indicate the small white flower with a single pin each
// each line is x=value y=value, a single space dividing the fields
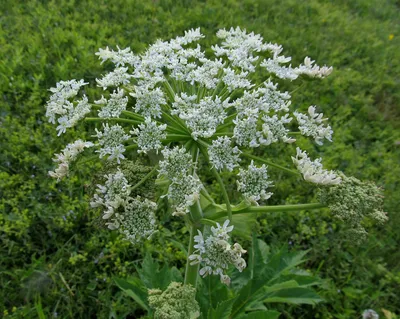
x=215 y=254
x=183 y=192
x=312 y=125
x=119 y=58
x=114 y=106
x=253 y=183
x=111 y=195
x=313 y=171
x=135 y=219
x=223 y=155
x=111 y=140
x=176 y=162
x=68 y=155
x=313 y=71
x=148 y=101
x=149 y=135
x=115 y=78
x=274 y=129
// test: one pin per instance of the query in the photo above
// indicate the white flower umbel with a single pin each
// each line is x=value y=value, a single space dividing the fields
x=203 y=117
x=111 y=195
x=68 y=155
x=223 y=155
x=253 y=183
x=313 y=71
x=148 y=101
x=283 y=72
x=115 y=78
x=73 y=115
x=206 y=74
x=183 y=192
x=215 y=254
x=114 y=106
x=273 y=99
x=149 y=135
x=239 y=46
x=176 y=162
x=246 y=132
x=111 y=140
x=119 y=58
x=274 y=130
x=312 y=125
x=135 y=219
x=313 y=171
x=59 y=103
x=235 y=80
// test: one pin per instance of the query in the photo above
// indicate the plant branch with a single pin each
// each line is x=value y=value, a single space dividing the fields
x=267 y=209
x=262 y=160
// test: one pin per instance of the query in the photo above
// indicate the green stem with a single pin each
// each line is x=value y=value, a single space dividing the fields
x=262 y=160
x=202 y=146
x=268 y=209
x=144 y=179
x=192 y=271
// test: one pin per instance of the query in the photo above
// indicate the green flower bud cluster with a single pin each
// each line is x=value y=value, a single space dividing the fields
x=352 y=201
x=176 y=302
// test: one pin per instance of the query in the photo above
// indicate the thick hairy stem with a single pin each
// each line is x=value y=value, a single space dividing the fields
x=192 y=271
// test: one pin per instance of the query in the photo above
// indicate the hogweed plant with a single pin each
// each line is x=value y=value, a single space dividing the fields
x=186 y=107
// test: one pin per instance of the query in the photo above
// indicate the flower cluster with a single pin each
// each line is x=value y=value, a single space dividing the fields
x=69 y=113
x=312 y=125
x=313 y=171
x=254 y=182
x=176 y=302
x=136 y=219
x=223 y=155
x=185 y=187
x=111 y=195
x=149 y=135
x=114 y=106
x=215 y=254
x=133 y=217
x=352 y=201
x=193 y=108
x=111 y=140
x=68 y=155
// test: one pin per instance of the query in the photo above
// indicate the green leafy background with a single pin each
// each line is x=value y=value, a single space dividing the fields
x=55 y=261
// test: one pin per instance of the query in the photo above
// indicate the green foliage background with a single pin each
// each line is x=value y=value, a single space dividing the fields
x=55 y=260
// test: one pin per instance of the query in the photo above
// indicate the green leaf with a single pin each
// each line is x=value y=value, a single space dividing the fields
x=135 y=289
x=222 y=311
x=269 y=279
x=243 y=224
x=269 y=314
x=295 y=296
x=153 y=277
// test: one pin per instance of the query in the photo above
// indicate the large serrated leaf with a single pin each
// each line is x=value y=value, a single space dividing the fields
x=222 y=311
x=134 y=289
x=297 y=296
